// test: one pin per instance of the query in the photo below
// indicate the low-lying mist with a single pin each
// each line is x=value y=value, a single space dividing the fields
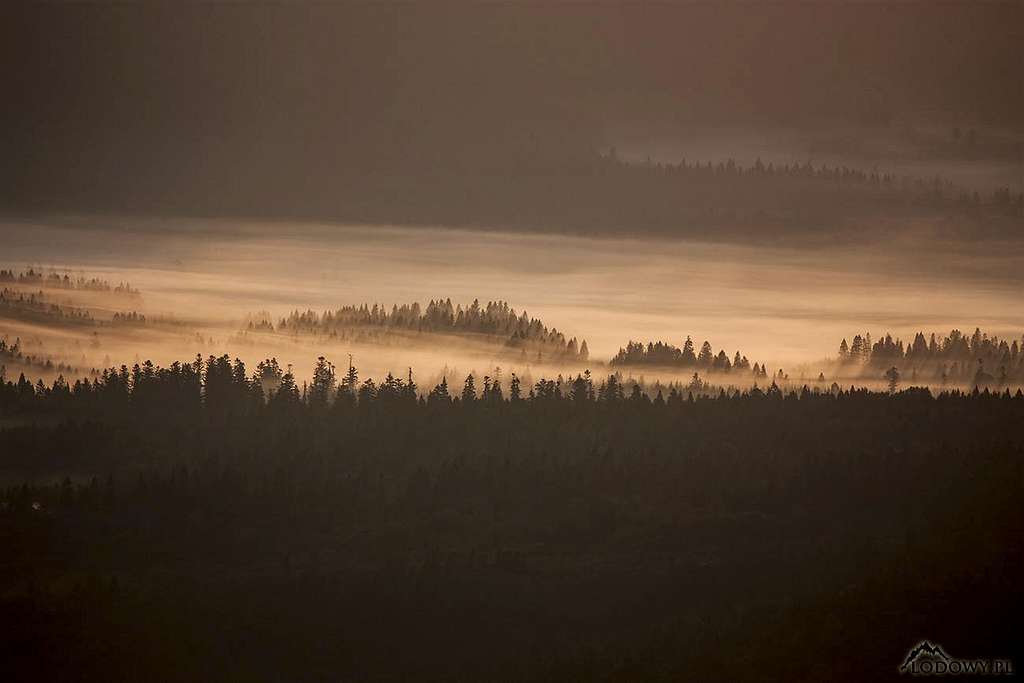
x=787 y=307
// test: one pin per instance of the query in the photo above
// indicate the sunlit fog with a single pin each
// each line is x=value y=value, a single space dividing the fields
x=787 y=307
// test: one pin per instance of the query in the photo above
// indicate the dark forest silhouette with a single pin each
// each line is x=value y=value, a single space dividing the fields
x=170 y=516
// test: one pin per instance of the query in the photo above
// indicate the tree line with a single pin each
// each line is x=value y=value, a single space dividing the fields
x=37 y=307
x=871 y=186
x=527 y=336
x=12 y=353
x=223 y=384
x=665 y=355
x=34 y=307
x=979 y=359
x=56 y=280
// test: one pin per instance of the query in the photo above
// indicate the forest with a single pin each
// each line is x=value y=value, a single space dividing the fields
x=37 y=296
x=13 y=356
x=611 y=196
x=600 y=194
x=52 y=325
x=159 y=522
x=494 y=322
x=34 y=306
x=661 y=354
x=975 y=360
x=51 y=279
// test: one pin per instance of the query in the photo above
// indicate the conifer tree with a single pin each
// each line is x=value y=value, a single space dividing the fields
x=706 y=356
x=439 y=394
x=469 y=389
x=514 y=388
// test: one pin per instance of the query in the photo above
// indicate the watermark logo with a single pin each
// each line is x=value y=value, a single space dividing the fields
x=929 y=659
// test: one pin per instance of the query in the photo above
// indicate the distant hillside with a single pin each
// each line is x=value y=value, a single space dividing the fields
x=494 y=323
x=53 y=279
x=662 y=355
x=977 y=359
x=602 y=195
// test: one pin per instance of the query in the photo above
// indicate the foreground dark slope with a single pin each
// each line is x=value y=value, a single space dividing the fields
x=756 y=537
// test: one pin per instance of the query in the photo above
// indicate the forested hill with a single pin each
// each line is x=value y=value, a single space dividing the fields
x=663 y=355
x=40 y=307
x=495 y=323
x=13 y=356
x=979 y=359
x=602 y=195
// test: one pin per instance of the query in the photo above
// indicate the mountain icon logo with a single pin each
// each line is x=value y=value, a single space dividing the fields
x=924 y=648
